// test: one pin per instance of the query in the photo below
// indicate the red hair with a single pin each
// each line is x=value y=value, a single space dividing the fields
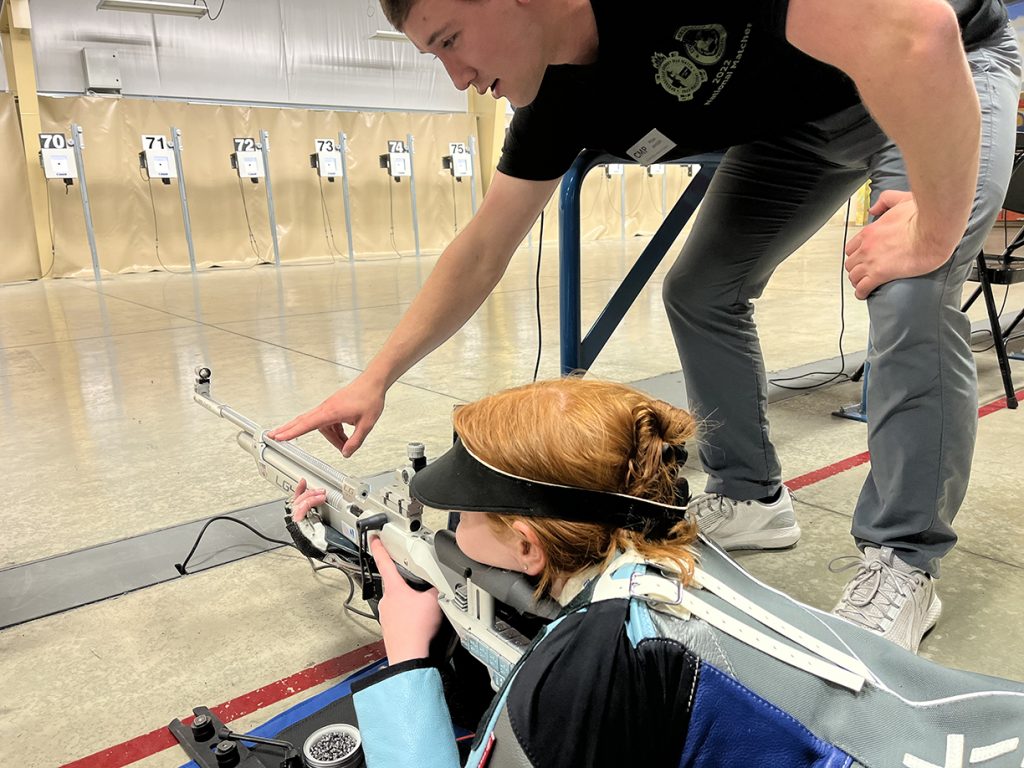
x=589 y=434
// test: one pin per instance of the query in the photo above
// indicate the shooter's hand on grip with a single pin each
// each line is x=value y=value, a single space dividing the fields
x=359 y=404
x=408 y=619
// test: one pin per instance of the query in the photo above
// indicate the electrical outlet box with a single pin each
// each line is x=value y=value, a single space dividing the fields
x=102 y=70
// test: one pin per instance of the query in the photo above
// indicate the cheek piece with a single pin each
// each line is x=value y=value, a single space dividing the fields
x=458 y=480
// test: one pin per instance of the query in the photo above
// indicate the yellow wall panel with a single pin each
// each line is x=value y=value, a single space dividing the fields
x=18 y=254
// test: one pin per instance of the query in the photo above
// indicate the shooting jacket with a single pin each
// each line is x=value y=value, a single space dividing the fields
x=728 y=672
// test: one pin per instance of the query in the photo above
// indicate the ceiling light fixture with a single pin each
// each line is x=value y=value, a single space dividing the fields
x=153 y=6
x=389 y=34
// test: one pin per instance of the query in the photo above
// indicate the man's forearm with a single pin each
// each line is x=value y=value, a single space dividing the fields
x=908 y=63
x=464 y=276
x=455 y=289
x=936 y=123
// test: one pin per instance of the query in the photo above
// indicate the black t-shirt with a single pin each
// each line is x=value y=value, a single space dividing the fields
x=675 y=79
x=979 y=19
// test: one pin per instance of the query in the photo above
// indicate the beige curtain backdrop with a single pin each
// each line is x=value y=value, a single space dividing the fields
x=18 y=254
x=138 y=223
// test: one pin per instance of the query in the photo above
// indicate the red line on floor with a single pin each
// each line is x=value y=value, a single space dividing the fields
x=863 y=458
x=998 y=405
x=156 y=741
x=826 y=472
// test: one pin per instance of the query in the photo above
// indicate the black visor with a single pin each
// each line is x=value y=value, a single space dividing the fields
x=460 y=481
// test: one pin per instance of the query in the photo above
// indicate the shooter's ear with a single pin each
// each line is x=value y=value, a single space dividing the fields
x=531 y=554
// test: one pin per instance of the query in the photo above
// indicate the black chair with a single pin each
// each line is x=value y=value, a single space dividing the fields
x=1005 y=268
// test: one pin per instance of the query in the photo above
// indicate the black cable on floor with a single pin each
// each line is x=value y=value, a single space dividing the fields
x=347 y=605
x=180 y=567
x=1007 y=340
x=841 y=374
x=1002 y=306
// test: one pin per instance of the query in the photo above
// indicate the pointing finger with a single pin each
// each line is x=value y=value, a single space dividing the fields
x=300 y=425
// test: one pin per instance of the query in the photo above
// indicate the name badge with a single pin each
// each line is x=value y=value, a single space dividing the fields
x=651 y=148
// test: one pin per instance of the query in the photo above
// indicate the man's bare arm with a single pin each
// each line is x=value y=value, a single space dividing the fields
x=465 y=274
x=908 y=63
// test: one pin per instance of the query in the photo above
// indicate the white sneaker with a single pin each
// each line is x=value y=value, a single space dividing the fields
x=889 y=597
x=746 y=524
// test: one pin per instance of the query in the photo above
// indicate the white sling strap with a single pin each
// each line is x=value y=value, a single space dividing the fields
x=666 y=594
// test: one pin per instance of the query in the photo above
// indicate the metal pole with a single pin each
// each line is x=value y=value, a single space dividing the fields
x=569 y=291
x=78 y=138
x=622 y=205
x=176 y=143
x=664 y=209
x=265 y=149
x=343 y=146
x=472 y=179
x=412 y=191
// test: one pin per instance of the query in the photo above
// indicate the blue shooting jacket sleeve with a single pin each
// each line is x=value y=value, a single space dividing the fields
x=404 y=720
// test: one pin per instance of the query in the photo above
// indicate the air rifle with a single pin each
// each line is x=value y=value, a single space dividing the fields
x=482 y=603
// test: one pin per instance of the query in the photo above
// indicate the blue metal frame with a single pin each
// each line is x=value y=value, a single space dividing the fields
x=579 y=352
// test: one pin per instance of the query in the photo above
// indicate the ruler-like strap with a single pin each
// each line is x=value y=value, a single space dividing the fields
x=755 y=638
x=783 y=627
x=666 y=594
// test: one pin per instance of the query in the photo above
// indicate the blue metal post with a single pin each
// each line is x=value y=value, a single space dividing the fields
x=579 y=352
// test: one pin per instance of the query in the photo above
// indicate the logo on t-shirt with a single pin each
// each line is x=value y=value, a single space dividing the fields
x=705 y=45
x=678 y=75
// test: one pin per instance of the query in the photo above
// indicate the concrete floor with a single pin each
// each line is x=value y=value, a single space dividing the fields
x=102 y=441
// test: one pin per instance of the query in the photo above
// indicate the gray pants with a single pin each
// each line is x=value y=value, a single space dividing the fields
x=766 y=200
